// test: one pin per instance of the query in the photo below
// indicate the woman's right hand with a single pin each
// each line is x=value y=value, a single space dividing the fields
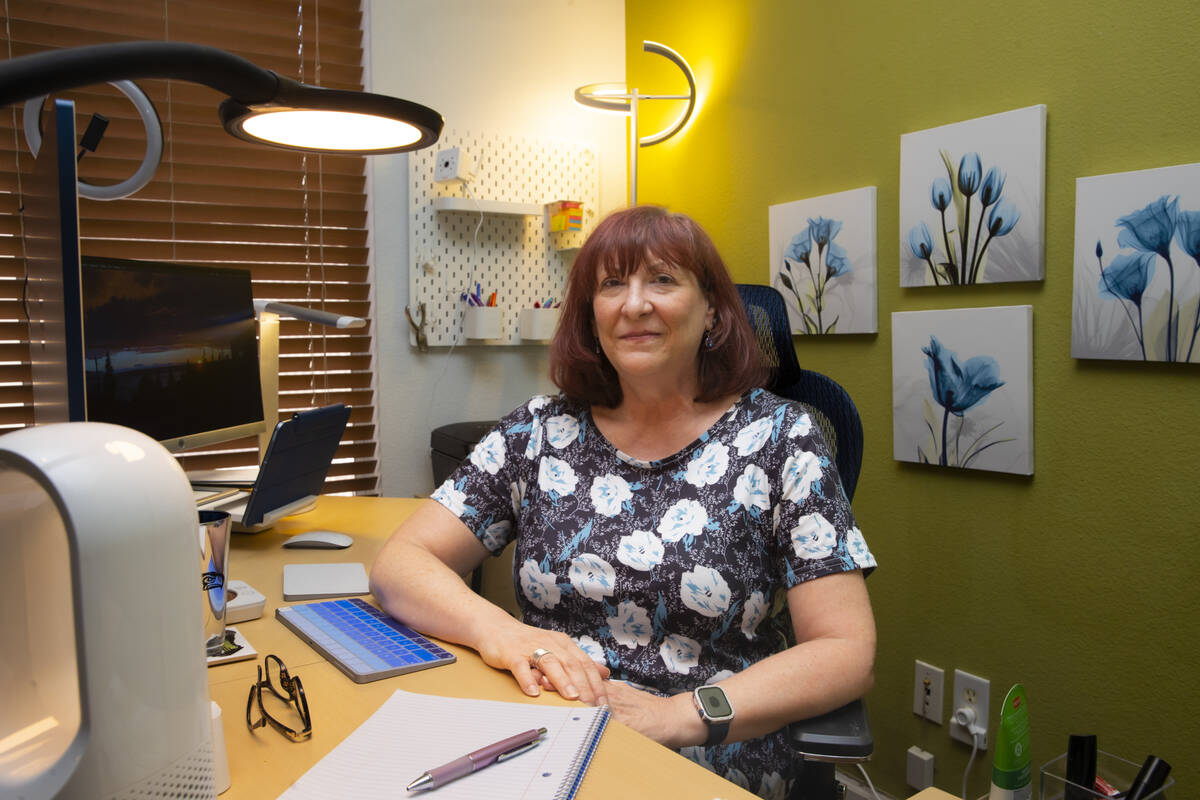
x=565 y=669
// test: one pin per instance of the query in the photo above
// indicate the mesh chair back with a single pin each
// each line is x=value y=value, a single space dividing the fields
x=842 y=735
x=832 y=409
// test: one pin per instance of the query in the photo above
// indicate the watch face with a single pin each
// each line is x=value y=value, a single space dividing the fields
x=714 y=702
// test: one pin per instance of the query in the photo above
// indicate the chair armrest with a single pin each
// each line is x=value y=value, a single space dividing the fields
x=843 y=734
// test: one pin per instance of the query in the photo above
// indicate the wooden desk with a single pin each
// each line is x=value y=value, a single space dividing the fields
x=263 y=764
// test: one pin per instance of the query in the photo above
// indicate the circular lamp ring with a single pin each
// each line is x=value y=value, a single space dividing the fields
x=604 y=96
x=686 y=114
x=154 y=143
x=617 y=97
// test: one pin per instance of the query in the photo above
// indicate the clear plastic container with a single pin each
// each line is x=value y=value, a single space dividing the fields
x=1053 y=783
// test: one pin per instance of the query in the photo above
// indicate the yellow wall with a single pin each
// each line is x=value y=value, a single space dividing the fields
x=1081 y=582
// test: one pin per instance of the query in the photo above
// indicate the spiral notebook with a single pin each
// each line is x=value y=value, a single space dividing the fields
x=411 y=733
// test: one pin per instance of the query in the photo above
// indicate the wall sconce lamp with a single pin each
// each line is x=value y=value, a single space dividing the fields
x=617 y=97
x=261 y=107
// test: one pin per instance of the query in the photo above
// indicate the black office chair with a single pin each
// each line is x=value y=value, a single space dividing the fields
x=843 y=736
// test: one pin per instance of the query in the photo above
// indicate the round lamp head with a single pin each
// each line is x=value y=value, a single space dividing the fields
x=302 y=117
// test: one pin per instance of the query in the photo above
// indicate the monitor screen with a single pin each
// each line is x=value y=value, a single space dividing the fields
x=170 y=350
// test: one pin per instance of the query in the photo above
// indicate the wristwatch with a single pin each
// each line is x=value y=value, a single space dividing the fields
x=715 y=710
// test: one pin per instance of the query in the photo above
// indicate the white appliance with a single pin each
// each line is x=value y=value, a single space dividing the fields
x=102 y=668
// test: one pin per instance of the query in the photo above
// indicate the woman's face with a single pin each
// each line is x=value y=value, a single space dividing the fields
x=650 y=323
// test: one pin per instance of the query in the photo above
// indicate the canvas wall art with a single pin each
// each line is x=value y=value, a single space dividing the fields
x=962 y=388
x=1137 y=265
x=972 y=201
x=822 y=254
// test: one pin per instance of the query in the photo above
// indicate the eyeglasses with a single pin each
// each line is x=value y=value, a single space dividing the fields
x=278 y=677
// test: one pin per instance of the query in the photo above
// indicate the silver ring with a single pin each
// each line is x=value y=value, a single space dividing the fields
x=535 y=657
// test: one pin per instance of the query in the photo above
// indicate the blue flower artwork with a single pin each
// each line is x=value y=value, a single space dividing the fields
x=818 y=262
x=962 y=388
x=972 y=198
x=1137 y=266
x=823 y=261
x=962 y=259
x=957 y=388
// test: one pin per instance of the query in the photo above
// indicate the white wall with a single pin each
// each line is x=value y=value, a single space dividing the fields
x=494 y=66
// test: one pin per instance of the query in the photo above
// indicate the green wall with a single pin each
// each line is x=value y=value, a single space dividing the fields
x=1080 y=581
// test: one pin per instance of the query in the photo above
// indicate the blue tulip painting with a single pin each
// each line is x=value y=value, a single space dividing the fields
x=972 y=201
x=962 y=388
x=822 y=253
x=1137 y=265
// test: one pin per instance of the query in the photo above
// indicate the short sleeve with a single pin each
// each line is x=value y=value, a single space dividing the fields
x=814 y=528
x=487 y=490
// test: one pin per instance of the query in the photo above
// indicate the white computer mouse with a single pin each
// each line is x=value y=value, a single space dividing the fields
x=324 y=540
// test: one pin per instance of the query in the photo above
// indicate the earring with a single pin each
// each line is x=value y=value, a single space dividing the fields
x=707 y=341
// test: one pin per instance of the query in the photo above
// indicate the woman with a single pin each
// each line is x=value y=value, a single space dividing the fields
x=659 y=504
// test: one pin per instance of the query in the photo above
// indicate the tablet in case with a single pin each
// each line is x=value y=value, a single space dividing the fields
x=293 y=469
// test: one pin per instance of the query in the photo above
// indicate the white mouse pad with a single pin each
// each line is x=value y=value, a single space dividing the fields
x=317 y=581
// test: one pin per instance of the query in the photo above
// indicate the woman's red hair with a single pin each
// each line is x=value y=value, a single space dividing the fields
x=621 y=243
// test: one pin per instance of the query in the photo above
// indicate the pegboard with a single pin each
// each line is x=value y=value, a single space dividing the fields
x=512 y=254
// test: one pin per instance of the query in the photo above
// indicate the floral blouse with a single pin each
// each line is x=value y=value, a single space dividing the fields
x=665 y=570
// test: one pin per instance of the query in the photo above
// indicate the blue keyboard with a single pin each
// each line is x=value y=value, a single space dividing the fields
x=361 y=640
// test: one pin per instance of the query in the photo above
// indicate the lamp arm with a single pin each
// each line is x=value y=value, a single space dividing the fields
x=308 y=314
x=55 y=70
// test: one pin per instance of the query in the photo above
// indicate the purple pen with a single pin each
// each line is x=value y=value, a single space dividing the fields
x=483 y=757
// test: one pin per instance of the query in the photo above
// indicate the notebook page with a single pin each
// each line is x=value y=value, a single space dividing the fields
x=411 y=733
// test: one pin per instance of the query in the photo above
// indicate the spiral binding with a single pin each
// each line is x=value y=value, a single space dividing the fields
x=583 y=756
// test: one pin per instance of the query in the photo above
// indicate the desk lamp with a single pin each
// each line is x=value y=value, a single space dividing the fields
x=269 y=312
x=616 y=97
x=261 y=107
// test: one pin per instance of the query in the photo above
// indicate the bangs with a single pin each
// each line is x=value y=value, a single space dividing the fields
x=671 y=245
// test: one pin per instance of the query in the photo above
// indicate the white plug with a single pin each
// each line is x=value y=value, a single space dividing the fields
x=965 y=716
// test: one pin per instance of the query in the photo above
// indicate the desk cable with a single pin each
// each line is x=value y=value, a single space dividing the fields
x=867 y=777
x=459 y=327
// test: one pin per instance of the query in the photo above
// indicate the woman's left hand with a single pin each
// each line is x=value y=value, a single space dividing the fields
x=670 y=721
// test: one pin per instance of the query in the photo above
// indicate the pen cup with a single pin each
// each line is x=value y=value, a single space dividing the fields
x=1118 y=772
x=482 y=322
x=537 y=324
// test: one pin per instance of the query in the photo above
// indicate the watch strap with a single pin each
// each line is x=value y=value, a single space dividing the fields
x=717 y=731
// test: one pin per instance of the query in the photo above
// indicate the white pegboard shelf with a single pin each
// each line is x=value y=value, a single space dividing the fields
x=502 y=244
x=486 y=206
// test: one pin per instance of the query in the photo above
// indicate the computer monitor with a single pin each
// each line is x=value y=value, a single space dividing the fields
x=50 y=232
x=170 y=350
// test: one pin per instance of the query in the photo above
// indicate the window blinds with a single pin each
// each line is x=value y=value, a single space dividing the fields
x=297 y=221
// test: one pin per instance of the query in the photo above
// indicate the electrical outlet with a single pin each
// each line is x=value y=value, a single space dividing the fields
x=928 y=682
x=453 y=165
x=970 y=692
